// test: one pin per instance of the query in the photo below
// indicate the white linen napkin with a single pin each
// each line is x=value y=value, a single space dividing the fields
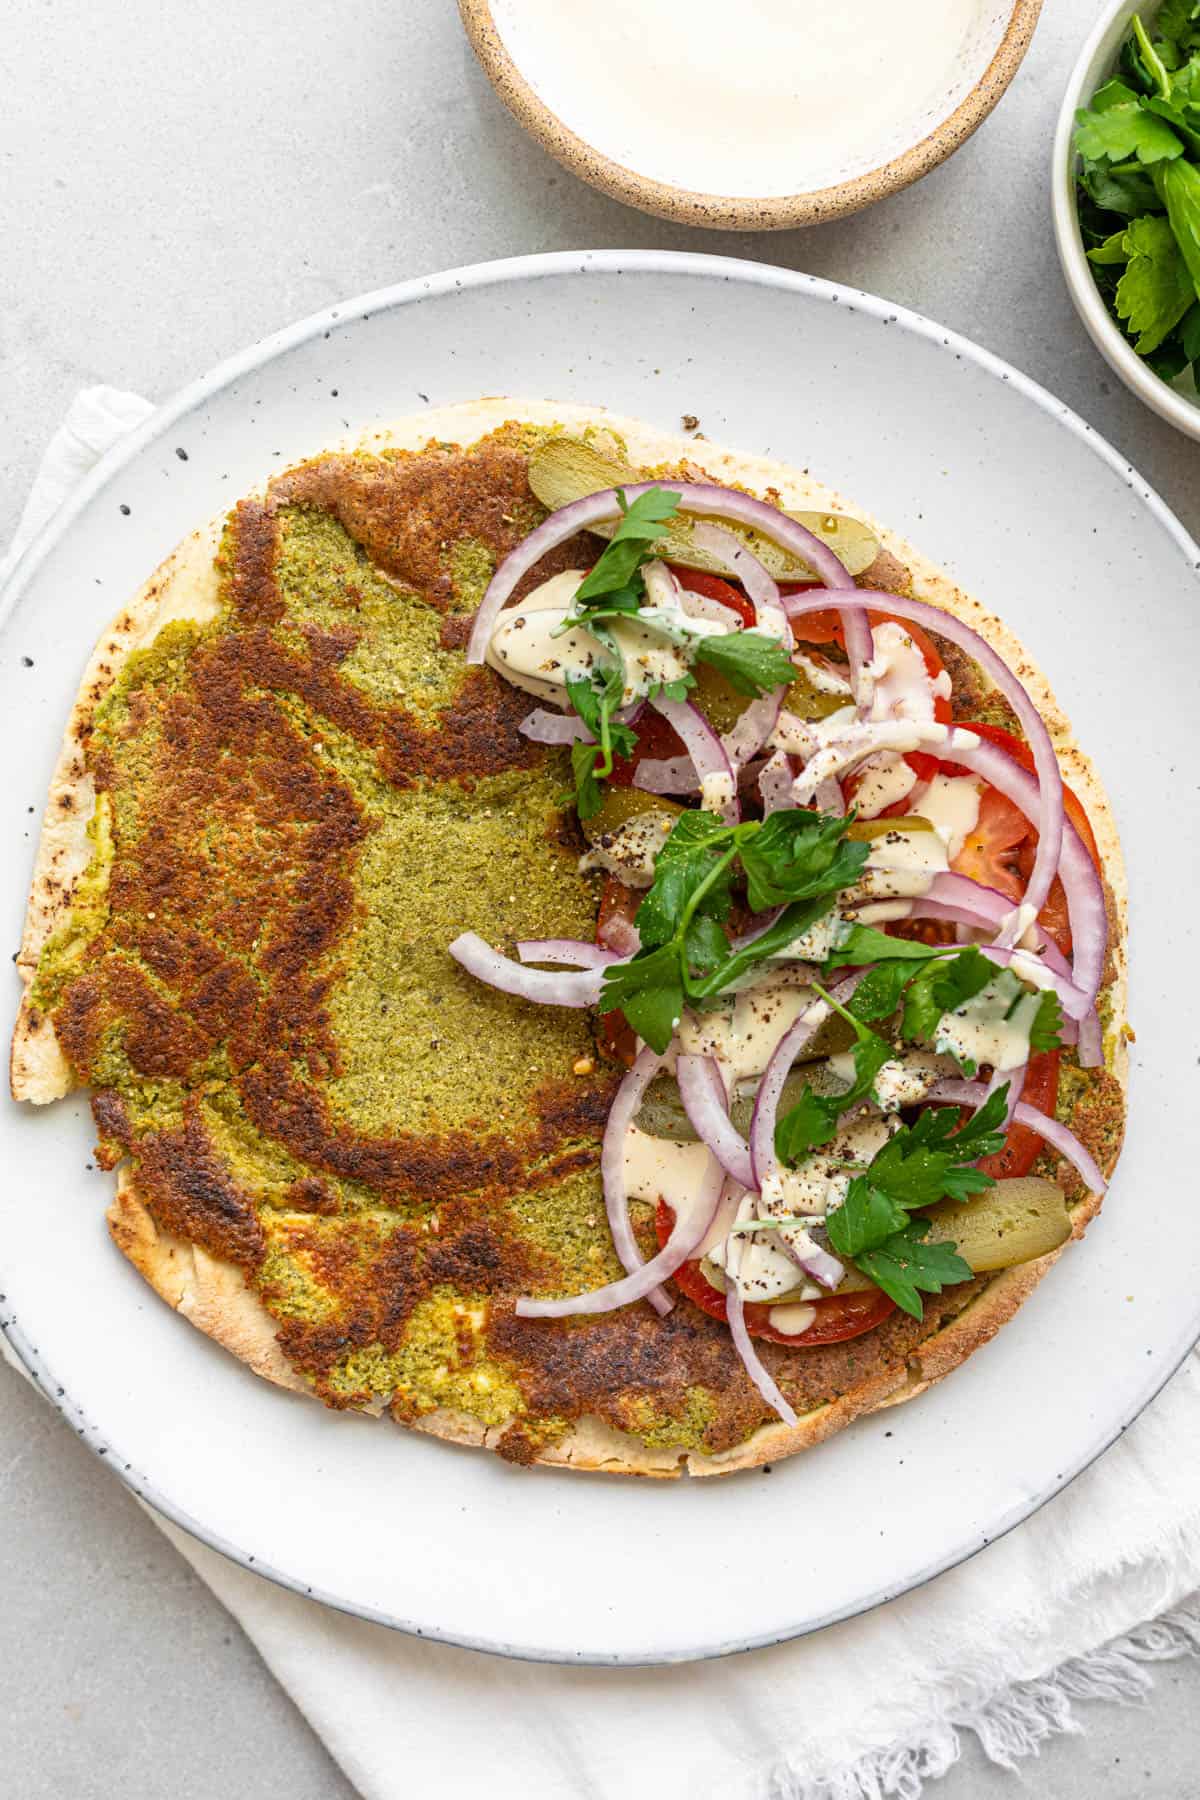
x=1000 y=1646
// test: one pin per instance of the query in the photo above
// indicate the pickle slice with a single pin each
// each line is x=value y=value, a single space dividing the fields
x=566 y=468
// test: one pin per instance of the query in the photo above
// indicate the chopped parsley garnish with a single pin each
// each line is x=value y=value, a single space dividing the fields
x=1139 y=188
x=798 y=860
x=597 y=700
x=612 y=588
x=928 y=981
x=813 y=1120
x=923 y=1163
x=751 y=662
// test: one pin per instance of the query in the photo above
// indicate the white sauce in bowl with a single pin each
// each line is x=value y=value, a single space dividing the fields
x=767 y=98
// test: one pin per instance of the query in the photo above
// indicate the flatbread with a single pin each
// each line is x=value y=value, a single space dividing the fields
x=213 y=1292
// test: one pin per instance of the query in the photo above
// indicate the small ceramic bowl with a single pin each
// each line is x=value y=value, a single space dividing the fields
x=861 y=159
x=1179 y=405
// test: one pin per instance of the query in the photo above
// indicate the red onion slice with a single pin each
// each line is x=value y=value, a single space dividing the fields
x=753 y=727
x=1015 y=1079
x=575 y=951
x=703 y=1094
x=761 y=588
x=829 y=798
x=973 y=1093
x=543 y=727
x=735 y=1312
x=704 y=748
x=1050 y=816
x=620 y=935
x=666 y=775
x=770 y=1088
x=626 y=1102
x=691 y=1227
x=775 y=785
x=1090 y=1048
x=577 y=987
x=820 y=1264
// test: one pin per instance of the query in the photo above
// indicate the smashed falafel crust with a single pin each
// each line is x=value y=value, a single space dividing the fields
x=281 y=793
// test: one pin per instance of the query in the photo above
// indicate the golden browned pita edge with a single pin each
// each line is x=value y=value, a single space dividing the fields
x=214 y=1295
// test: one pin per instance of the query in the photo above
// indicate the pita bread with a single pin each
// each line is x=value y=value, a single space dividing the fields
x=214 y=1294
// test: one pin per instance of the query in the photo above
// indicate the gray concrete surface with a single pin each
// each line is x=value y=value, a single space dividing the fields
x=174 y=182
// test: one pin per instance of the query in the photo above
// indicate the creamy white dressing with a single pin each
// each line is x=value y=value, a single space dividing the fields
x=753 y=102
x=951 y=804
x=900 y=685
x=821 y=675
x=741 y=1034
x=818 y=1186
x=904 y=1081
x=818 y=941
x=902 y=863
x=883 y=782
x=992 y=1027
x=661 y=1169
x=656 y=643
x=844 y=743
x=629 y=851
x=792 y=1319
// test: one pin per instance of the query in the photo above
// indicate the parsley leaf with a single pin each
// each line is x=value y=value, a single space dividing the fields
x=905 y=1266
x=685 y=956
x=797 y=853
x=921 y=1164
x=1046 y=1031
x=941 y=987
x=1156 y=289
x=596 y=699
x=866 y=1218
x=814 y=1118
x=863 y=944
x=750 y=661
x=697 y=856
x=644 y=521
x=1179 y=190
x=1121 y=128
x=878 y=993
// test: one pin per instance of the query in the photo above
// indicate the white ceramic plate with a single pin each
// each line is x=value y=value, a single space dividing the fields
x=1030 y=510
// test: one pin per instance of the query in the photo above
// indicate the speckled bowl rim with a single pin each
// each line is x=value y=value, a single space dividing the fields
x=720 y=212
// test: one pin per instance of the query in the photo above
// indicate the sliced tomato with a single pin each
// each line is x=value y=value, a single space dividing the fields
x=713 y=588
x=839 y=1317
x=1020 y=752
x=1000 y=851
x=1022 y=1147
x=655 y=738
x=989 y=853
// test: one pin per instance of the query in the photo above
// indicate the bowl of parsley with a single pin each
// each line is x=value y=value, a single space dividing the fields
x=1126 y=195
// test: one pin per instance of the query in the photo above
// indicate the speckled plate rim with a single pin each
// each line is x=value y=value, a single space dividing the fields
x=724 y=212
x=159 y=426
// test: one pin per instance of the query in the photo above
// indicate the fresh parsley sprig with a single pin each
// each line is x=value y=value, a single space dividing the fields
x=813 y=1121
x=798 y=860
x=1139 y=187
x=928 y=981
x=931 y=1160
x=613 y=588
x=750 y=661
